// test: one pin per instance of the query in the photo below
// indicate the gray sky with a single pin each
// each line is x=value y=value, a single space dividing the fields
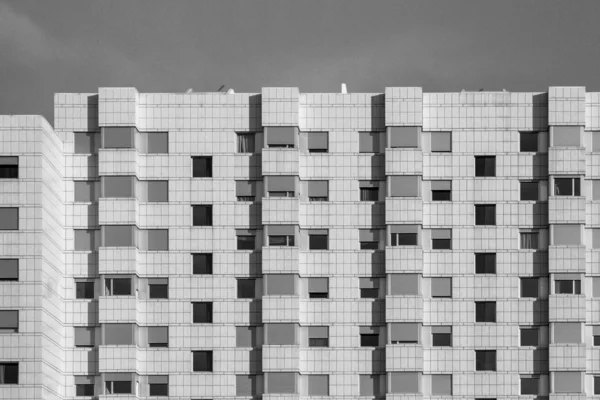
x=170 y=46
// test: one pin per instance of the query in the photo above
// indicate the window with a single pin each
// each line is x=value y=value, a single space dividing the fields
x=280 y=334
x=317 y=142
x=529 y=287
x=529 y=191
x=203 y=313
x=404 y=136
x=85 y=191
x=117 y=286
x=84 y=385
x=202 y=215
x=281 y=240
x=441 y=336
x=318 y=336
x=405 y=382
x=245 y=142
x=404 y=333
x=158 y=288
x=9 y=218
x=202 y=263
x=246 y=385
x=9 y=269
x=282 y=194
x=318 y=288
x=245 y=288
x=84 y=336
x=245 y=336
x=568 y=286
x=404 y=235
x=158 y=385
x=529 y=141
x=404 y=284
x=245 y=190
x=567 y=382
x=596 y=189
x=596 y=384
x=566 y=136
x=596 y=334
x=155 y=191
x=368 y=142
x=245 y=241
x=369 y=288
x=118 y=186
x=158 y=142
x=9 y=321
x=281 y=136
x=485 y=214
x=369 y=336
x=485 y=263
x=85 y=142
x=595 y=238
x=529 y=384
x=441 y=287
x=318 y=385
x=566 y=234
x=404 y=186
x=118 y=137
x=530 y=336
x=281 y=235
x=9 y=167
x=318 y=190
x=84 y=290
x=530 y=240
x=369 y=190
x=318 y=239
x=441 y=141
x=280 y=284
x=202 y=167
x=441 y=239
x=485 y=165
x=119 y=334
x=281 y=382
x=281 y=186
x=369 y=385
x=369 y=239
x=154 y=239
x=485 y=311
x=203 y=361
x=158 y=336
x=118 y=235
x=441 y=384
x=441 y=190
x=9 y=373
x=86 y=239
x=485 y=360
x=567 y=186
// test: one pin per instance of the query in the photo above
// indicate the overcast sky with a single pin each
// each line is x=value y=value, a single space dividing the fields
x=170 y=46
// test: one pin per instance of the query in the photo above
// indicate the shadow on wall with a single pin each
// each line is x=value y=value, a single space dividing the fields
x=92 y=112
x=378 y=113
x=255 y=312
x=540 y=262
x=540 y=111
x=255 y=361
x=255 y=104
x=540 y=361
x=378 y=360
x=377 y=263
x=540 y=312
x=378 y=312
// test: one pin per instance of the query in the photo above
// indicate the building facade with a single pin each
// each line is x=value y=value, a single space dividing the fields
x=286 y=245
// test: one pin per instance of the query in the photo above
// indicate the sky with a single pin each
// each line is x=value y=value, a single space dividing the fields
x=171 y=46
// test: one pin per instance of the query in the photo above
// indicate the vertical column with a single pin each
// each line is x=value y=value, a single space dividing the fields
x=566 y=253
x=280 y=213
x=404 y=254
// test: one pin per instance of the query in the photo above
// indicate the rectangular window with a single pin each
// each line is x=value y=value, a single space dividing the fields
x=118 y=137
x=596 y=384
x=281 y=136
x=369 y=288
x=158 y=142
x=245 y=190
x=202 y=263
x=245 y=242
x=404 y=284
x=158 y=288
x=485 y=263
x=9 y=167
x=485 y=214
x=84 y=386
x=405 y=382
x=246 y=385
x=485 y=165
x=441 y=142
x=119 y=334
x=529 y=240
x=159 y=389
x=441 y=190
x=84 y=336
x=441 y=287
x=404 y=235
x=202 y=312
x=566 y=234
x=85 y=191
x=566 y=136
x=281 y=186
x=404 y=136
x=369 y=194
x=117 y=286
x=404 y=333
x=485 y=311
x=245 y=336
x=318 y=190
x=280 y=284
x=529 y=191
x=202 y=361
x=9 y=373
x=156 y=191
x=281 y=240
x=369 y=239
x=318 y=385
x=567 y=382
x=118 y=186
x=202 y=215
x=441 y=239
x=118 y=235
x=158 y=336
x=530 y=384
x=9 y=321
x=529 y=141
x=485 y=360
x=9 y=218
x=86 y=239
x=245 y=142
x=569 y=286
x=118 y=387
x=85 y=142
x=567 y=186
x=281 y=382
x=318 y=288
x=441 y=384
x=245 y=288
x=318 y=336
x=317 y=142
x=280 y=334
x=84 y=290
x=318 y=240
x=404 y=186
x=202 y=167
x=368 y=142
x=441 y=336
x=530 y=337
x=369 y=336
x=529 y=287
x=9 y=269
x=369 y=385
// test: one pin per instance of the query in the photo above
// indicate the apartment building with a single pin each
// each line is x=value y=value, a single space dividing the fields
x=287 y=245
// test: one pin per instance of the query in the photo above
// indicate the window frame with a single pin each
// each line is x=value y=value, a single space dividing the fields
x=109 y=289
x=483 y=168
x=252 y=142
x=575 y=286
x=208 y=318
x=483 y=216
x=485 y=318
x=575 y=186
x=524 y=134
x=485 y=263
x=202 y=170
x=209 y=361
x=205 y=267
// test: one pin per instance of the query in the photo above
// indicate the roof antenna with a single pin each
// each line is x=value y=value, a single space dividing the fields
x=344 y=89
x=221 y=88
x=190 y=90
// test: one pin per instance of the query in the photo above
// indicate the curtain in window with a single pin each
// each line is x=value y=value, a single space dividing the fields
x=529 y=240
x=246 y=143
x=2 y=373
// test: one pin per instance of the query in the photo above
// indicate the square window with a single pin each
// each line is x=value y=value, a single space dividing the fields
x=485 y=311
x=529 y=287
x=158 y=289
x=317 y=242
x=441 y=287
x=403 y=284
x=9 y=167
x=529 y=191
x=158 y=142
x=404 y=332
x=441 y=384
x=246 y=142
x=368 y=142
x=567 y=186
x=202 y=312
x=530 y=336
x=404 y=136
x=529 y=240
x=485 y=263
x=84 y=389
x=202 y=167
x=485 y=214
x=203 y=215
x=485 y=360
x=485 y=165
x=85 y=142
x=441 y=336
x=202 y=263
x=369 y=288
x=529 y=141
x=369 y=194
x=158 y=336
x=318 y=336
x=281 y=136
x=84 y=290
x=317 y=142
x=118 y=137
x=245 y=288
x=203 y=361
x=9 y=373
x=318 y=288
x=318 y=385
x=245 y=190
x=530 y=385
x=441 y=141
x=9 y=218
x=441 y=239
x=246 y=242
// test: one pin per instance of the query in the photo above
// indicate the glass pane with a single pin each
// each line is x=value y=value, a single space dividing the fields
x=441 y=195
x=202 y=263
x=442 y=339
x=369 y=245
x=202 y=167
x=369 y=194
x=277 y=240
x=245 y=242
x=529 y=240
x=159 y=291
x=121 y=387
x=563 y=186
x=564 y=287
x=317 y=242
x=441 y=244
x=529 y=337
x=369 y=293
x=245 y=288
x=369 y=340
x=159 y=389
x=529 y=141
x=84 y=290
x=404 y=239
x=121 y=287
x=529 y=191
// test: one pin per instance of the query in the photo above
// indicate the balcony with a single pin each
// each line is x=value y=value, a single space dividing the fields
x=280 y=260
x=567 y=357
x=566 y=160
x=280 y=161
x=403 y=161
x=281 y=358
x=566 y=210
x=117 y=358
x=117 y=309
x=281 y=210
x=280 y=309
x=403 y=210
x=117 y=260
x=566 y=308
x=113 y=211
x=117 y=162
x=403 y=308
x=566 y=259
x=404 y=357
x=403 y=259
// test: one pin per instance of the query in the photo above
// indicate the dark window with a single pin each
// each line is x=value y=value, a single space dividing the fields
x=203 y=361
x=485 y=360
x=530 y=385
x=529 y=141
x=245 y=142
x=118 y=286
x=245 y=242
x=203 y=313
x=281 y=146
x=597 y=385
x=485 y=166
x=245 y=198
x=159 y=291
x=317 y=198
x=9 y=373
x=567 y=186
x=441 y=195
x=159 y=389
x=485 y=263
x=245 y=288
x=530 y=336
x=118 y=387
x=529 y=287
x=317 y=242
x=369 y=340
x=369 y=245
x=441 y=339
x=202 y=167
x=281 y=194
x=529 y=240
x=369 y=194
x=567 y=287
x=369 y=293
x=441 y=244
x=596 y=340
x=485 y=214
x=318 y=288
x=318 y=342
x=9 y=167
x=529 y=191
x=84 y=290
x=485 y=311
x=202 y=215
x=404 y=239
x=85 y=389
x=203 y=263
x=285 y=240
